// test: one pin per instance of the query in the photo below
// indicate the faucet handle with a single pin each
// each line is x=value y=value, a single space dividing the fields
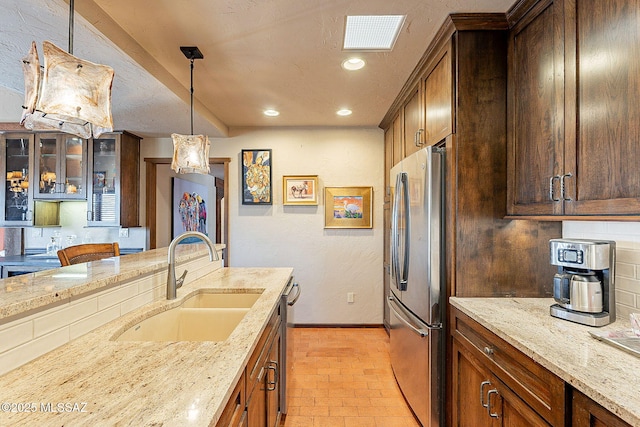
x=180 y=280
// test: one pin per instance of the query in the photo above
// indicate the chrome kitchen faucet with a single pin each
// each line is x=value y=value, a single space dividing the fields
x=174 y=284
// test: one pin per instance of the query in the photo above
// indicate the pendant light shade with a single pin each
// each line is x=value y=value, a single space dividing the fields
x=70 y=94
x=191 y=152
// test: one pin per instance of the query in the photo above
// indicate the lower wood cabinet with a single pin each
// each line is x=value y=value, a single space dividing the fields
x=494 y=384
x=587 y=413
x=255 y=400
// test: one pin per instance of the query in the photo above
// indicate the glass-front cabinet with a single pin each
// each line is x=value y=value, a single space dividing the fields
x=113 y=180
x=16 y=203
x=60 y=167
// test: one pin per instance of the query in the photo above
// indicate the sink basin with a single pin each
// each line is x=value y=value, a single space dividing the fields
x=221 y=300
x=187 y=324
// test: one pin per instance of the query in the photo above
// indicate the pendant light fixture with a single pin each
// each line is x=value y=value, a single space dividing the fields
x=70 y=94
x=191 y=152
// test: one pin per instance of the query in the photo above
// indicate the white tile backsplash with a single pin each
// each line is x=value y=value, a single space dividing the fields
x=627 y=238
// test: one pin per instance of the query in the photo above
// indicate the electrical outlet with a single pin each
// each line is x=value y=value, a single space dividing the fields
x=350 y=297
x=36 y=232
x=124 y=232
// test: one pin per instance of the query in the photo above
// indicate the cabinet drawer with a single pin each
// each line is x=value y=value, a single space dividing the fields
x=539 y=388
x=234 y=410
x=256 y=361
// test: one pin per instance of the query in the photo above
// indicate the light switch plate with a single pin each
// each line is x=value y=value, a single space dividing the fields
x=124 y=232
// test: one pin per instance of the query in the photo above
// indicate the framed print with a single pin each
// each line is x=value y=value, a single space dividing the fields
x=188 y=207
x=256 y=177
x=348 y=207
x=300 y=190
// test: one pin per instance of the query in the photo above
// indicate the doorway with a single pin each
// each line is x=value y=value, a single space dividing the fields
x=222 y=226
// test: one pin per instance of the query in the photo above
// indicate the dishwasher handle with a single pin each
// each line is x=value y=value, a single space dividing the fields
x=295 y=299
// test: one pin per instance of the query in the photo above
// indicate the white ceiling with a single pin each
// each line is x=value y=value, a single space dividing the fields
x=282 y=54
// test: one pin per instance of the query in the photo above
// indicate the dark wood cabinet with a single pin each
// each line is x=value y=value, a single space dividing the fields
x=494 y=384
x=413 y=122
x=438 y=98
x=114 y=180
x=587 y=413
x=574 y=73
x=234 y=414
x=535 y=106
x=16 y=203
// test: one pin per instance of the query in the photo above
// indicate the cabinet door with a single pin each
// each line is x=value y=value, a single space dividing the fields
x=603 y=113
x=471 y=382
x=587 y=413
x=535 y=106
x=438 y=100
x=104 y=170
x=16 y=204
x=60 y=167
x=398 y=146
x=273 y=383
x=509 y=409
x=413 y=127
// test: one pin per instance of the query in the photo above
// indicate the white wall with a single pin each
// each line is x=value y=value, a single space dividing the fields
x=627 y=238
x=328 y=263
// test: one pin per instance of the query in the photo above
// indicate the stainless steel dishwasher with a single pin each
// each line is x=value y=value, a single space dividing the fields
x=288 y=299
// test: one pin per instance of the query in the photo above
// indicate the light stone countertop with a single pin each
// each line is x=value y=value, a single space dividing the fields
x=606 y=374
x=21 y=294
x=138 y=383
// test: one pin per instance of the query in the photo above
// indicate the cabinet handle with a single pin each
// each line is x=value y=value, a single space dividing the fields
x=89 y=215
x=566 y=175
x=417 y=140
x=491 y=414
x=29 y=215
x=482 y=384
x=553 y=178
x=271 y=385
x=488 y=351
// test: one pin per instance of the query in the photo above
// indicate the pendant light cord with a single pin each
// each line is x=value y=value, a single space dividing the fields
x=191 y=95
x=71 y=27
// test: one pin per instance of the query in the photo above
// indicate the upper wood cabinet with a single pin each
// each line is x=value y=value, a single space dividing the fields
x=574 y=82
x=438 y=98
x=413 y=123
x=16 y=204
x=114 y=180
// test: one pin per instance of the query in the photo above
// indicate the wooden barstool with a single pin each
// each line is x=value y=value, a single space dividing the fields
x=87 y=252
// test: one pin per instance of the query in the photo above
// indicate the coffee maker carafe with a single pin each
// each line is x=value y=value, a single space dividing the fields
x=584 y=287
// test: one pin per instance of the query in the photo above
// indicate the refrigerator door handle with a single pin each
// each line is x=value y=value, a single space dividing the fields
x=395 y=262
x=407 y=232
x=422 y=329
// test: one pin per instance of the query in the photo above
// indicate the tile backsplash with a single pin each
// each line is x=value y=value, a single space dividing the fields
x=627 y=238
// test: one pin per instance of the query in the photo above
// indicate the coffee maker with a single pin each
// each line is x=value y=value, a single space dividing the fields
x=584 y=287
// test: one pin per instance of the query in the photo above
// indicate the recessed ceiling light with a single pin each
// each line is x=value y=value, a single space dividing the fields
x=271 y=112
x=344 y=112
x=372 y=32
x=353 y=64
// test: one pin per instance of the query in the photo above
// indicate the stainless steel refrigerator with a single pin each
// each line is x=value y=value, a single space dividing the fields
x=417 y=297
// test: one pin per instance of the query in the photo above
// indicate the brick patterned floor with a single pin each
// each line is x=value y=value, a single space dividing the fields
x=342 y=377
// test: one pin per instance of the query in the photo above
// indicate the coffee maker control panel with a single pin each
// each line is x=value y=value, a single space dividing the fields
x=585 y=254
x=571 y=255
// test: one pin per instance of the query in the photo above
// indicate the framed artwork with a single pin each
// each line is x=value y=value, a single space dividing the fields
x=300 y=190
x=256 y=177
x=188 y=207
x=348 y=207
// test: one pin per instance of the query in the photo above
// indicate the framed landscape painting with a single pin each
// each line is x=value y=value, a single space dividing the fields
x=300 y=190
x=256 y=177
x=348 y=207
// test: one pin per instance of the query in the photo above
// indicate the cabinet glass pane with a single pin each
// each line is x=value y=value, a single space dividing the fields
x=103 y=197
x=17 y=184
x=73 y=165
x=48 y=165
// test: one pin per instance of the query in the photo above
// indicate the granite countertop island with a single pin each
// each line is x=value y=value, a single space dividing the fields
x=94 y=380
x=604 y=373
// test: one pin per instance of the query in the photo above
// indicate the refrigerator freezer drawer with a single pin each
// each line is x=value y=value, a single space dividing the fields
x=415 y=360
